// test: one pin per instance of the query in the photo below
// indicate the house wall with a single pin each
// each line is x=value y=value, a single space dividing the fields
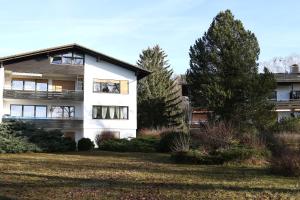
x=104 y=70
x=1 y=92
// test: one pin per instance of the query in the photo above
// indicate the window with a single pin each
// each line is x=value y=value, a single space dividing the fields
x=41 y=86
x=111 y=86
x=16 y=110
x=63 y=112
x=28 y=111
x=110 y=112
x=40 y=111
x=17 y=85
x=70 y=58
x=30 y=85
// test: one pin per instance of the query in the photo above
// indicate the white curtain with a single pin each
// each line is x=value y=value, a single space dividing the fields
x=95 y=112
x=104 y=111
x=111 y=112
x=123 y=112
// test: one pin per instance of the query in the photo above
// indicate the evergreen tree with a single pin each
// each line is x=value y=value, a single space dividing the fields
x=223 y=74
x=158 y=99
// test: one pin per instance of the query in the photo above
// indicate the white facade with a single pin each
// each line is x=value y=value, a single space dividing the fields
x=103 y=70
x=95 y=66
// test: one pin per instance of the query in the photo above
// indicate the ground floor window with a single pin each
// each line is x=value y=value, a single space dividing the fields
x=110 y=112
x=28 y=111
x=62 y=111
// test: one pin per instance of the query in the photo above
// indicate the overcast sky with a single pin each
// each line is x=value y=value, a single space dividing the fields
x=122 y=28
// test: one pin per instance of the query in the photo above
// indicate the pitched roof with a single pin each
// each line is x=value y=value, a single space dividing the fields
x=19 y=57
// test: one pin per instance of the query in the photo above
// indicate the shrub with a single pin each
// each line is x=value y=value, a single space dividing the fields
x=213 y=136
x=181 y=142
x=10 y=143
x=152 y=133
x=47 y=141
x=287 y=163
x=167 y=140
x=133 y=145
x=240 y=153
x=105 y=135
x=287 y=125
x=85 y=144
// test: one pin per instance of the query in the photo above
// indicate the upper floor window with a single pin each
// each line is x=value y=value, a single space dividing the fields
x=70 y=58
x=111 y=86
x=110 y=112
x=29 y=85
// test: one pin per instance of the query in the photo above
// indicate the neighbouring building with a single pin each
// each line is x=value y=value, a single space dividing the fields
x=72 y=88
x=287 y=94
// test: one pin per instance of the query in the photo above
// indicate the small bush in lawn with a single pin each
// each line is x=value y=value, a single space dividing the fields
x=85 y=144
x=240 y=153
x=213 y=136
x=287 y=163
x=167 y=140
x=105 y=135
x=133 y=145
x=181 y=142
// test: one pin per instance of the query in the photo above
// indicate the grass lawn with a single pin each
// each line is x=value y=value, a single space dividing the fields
x=107 y=175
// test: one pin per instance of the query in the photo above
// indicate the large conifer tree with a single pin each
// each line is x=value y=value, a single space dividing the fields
x=223 y=74
x=158 y=99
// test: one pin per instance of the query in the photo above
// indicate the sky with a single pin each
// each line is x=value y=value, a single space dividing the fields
x=122 y=29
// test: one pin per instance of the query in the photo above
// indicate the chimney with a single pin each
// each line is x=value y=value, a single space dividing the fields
x=294 y=69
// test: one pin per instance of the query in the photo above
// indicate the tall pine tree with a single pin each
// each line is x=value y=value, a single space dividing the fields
x=223 y=74
x=158 y=99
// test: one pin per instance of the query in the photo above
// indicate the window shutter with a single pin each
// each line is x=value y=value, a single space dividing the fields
x=124 y=87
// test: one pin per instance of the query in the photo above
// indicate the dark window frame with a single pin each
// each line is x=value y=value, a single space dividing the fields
x=63 y=110
x=75 y=55
x=29 y=105
x=100 y=91
x=107 y=113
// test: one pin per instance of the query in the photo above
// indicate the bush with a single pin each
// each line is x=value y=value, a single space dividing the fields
x=213 y=136
x=167 y=140
x=287 y=163
x=85 y=144
x=287 y=125
x=10 y=143
x=105 y=135
x=236 y=153
x=46 y=141
x=240 y=153
x=152 y=133
x=133 y=145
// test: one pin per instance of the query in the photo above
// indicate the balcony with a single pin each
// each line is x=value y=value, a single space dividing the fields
x=50 y=123
x=74 y=95
x=287 y=77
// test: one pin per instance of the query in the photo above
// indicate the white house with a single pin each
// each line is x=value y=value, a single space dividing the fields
x=287 y=94
x=72 y=88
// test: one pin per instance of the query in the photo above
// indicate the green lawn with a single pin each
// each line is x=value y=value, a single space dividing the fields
x=106 y=175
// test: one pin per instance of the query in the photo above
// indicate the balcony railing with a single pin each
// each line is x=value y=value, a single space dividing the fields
x=50 y=123
x=48 y=95
x=287 y=77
